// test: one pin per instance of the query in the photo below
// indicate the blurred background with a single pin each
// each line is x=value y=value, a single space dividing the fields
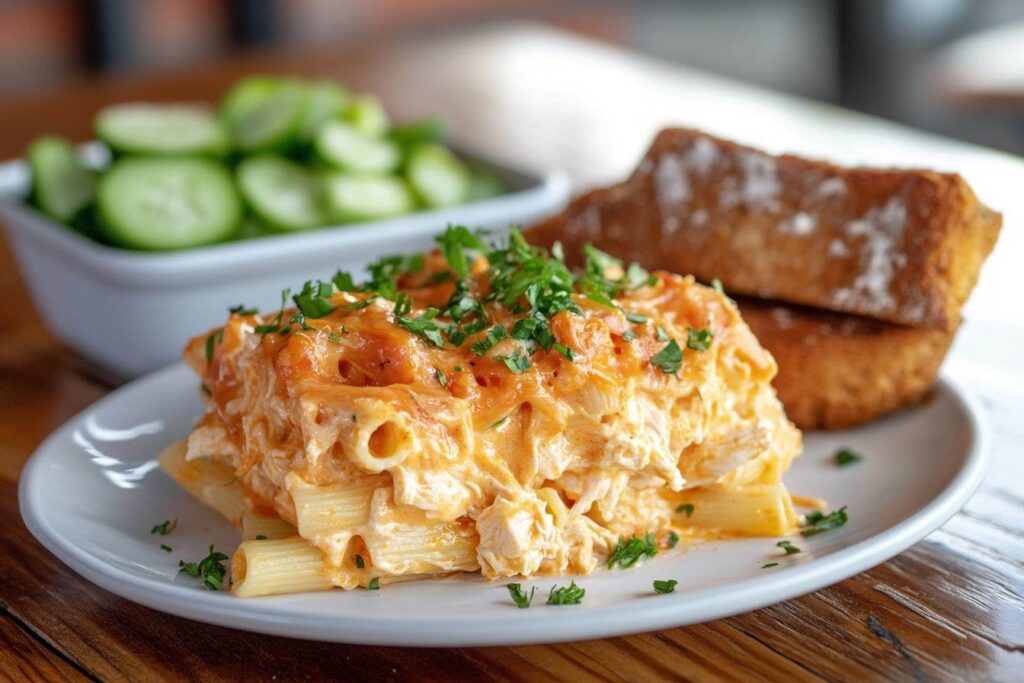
x=954 y=67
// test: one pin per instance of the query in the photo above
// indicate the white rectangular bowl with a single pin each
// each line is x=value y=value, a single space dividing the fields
x=132 y=312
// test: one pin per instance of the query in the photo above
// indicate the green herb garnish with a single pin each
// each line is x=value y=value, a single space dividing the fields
x=441 y=379
x=210 y=569
x=664 y=587
x=494 y=335
x=685 y=509
x=628 y=335
x=816 y=522
x=519 y=596
x=845 y=456
x=517 y=362
x=769 y=565
x=569 y=595
x=374 y=584
x=165 y=527
x=166 y=548
x=360 y=564
x=241 y=309
x=630 y=551
x=636 y=318
x=673 y=539
x=698 y=339
x=788 y=547
x=669 y=359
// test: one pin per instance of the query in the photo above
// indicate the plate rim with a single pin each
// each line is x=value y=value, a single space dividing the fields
x=504 y=628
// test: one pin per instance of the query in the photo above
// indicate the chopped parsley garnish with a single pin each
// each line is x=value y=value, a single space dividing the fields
x=454 y=243
x=423 y=326
x=165 y=527
x=519 y=596
x=441 y=379
x=569 y=354
x=669 y=359
x=458 y=368
x=664 y=587
x=816 y=522
x=360 y=564
x=636 y=318
x=517 y=362
x=698 y=339
x=673 y=539
x=630 y=551
x=210 y=569
x=569 y=595
x=845 y=456
x=212 y=340
x=276 y=324
x=628 y=335
x=261 y=537
x=166 y=548
x=769 y=565
x=494 y=335
x=716 y=284
x=500 y=421
x=685 y=509
x=241 y=309
x=660 y=333
x=374 y=584
x=788 y=547
x=334 y=337
x=314 y=299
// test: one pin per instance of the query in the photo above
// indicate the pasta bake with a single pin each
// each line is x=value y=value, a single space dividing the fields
x=483 y=408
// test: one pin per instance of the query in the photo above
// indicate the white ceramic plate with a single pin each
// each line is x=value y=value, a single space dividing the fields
x=93 y=490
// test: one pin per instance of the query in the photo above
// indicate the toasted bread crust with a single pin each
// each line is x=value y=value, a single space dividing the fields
x=898 y=245
x=837 y=370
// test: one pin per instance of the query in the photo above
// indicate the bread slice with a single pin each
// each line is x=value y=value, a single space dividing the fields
x=838 y=370
x=898 y=245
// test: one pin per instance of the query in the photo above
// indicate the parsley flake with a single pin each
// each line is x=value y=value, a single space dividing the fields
x=628 y=335
x=241 y=309
x=360 y=564
x=374 y=584
x=716 y=284
x=630 y=551
x=519 y=596
x=210 y=569
x=569 y=354
x=769 y=565
x=660 y=333
x=669 y=359
x=494 y=335
x=569 y=595
x=685 y=509
x=663 y=587
x=673 y=539
x=845 y=456
x=698 y=339
x=817 y=522
x=441 y=379
x=165 y=527
x=517 y=362
x=636 y=318
x=166 y=548
x=788 y=547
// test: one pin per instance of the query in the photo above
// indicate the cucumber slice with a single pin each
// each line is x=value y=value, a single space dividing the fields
x=283 y=194
x=410 y=135
x=361 y=198
x=163 y=203
x=366 y=114
x=437 y=176
x=483 y=185
x=161 y=129
x=326 y=101
x=343 y=147
x=61 y=186
x=264 y=113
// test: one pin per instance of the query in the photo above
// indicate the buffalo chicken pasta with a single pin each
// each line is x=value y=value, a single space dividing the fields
x=482 y=408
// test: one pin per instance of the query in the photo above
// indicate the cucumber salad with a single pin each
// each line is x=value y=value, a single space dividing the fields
x=278 y=155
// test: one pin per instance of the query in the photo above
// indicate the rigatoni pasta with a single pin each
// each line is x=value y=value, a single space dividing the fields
x=482 y=409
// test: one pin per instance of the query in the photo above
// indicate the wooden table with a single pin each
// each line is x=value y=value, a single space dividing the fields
x=949 y=608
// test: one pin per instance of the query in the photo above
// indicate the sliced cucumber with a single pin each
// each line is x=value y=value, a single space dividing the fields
x=284 y=194
x=483 y=185
x=161 y=129
x=326 y=101
x=410 y=135
x=264 y=113
x=168 y=203
x=61 y=186
x=360 y=198
x=437 y=176
x=366 y=114
x=344 y=147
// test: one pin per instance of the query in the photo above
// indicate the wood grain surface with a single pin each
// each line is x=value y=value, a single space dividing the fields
x=950 y=608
